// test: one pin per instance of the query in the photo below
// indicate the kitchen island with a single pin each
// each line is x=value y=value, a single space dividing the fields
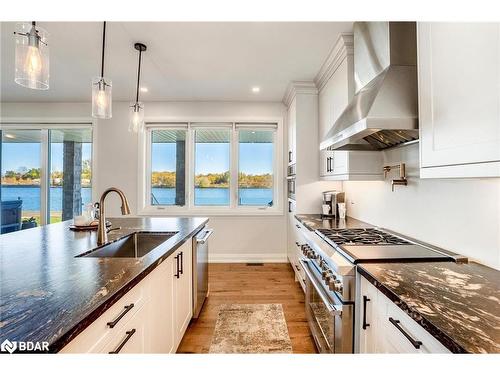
x=49 y=294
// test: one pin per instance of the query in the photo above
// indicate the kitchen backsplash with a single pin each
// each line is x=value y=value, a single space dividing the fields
x=460 y=215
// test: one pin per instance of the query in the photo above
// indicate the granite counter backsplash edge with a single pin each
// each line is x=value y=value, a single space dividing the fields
x=435 y=331
x=78 y=328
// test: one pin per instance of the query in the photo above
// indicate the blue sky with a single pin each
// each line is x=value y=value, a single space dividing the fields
x=15 y=155
x=255 y=158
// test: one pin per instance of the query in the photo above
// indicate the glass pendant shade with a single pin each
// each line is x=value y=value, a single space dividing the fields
x=136 y=118
x=32 y=57
x=101 y=98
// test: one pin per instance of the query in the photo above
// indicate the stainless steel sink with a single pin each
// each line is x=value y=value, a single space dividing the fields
x=135 y=245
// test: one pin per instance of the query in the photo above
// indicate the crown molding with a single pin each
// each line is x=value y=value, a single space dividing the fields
x=299 y=87
x=343 y=47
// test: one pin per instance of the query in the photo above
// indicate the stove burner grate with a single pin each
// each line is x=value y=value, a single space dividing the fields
x=361 y=236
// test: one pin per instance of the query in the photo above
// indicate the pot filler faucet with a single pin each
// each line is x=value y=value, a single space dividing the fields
x=102 y=233
x=402 y=174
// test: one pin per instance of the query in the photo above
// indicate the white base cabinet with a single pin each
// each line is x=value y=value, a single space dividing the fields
x=294 y=249
x=379 y=322
x=150 y=318
x=183 y=289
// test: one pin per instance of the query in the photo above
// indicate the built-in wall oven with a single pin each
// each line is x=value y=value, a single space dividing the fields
x=291 y=188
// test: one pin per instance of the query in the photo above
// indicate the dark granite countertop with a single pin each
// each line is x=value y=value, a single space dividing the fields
x=316 y=221
x=46 y=294
x=457 y=303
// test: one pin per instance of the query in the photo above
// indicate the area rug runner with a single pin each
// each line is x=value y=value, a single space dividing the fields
x=251 y=328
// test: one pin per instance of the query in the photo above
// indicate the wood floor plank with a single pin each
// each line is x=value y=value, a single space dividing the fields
x=241 y=283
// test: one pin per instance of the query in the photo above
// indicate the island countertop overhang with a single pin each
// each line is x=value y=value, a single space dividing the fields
x=49 y=294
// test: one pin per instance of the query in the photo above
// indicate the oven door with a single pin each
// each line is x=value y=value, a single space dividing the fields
x=331 y=321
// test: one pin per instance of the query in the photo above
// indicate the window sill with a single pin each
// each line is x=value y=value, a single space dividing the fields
x=172 y=211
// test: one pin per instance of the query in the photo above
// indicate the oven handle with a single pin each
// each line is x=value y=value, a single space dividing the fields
x=332 y=309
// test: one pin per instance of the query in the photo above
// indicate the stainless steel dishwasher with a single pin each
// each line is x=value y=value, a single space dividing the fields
x=200 y=269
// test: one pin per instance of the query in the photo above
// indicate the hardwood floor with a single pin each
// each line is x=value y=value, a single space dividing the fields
x=241 y=283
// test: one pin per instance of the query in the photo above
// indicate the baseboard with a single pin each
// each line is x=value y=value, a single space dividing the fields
x=248 y=258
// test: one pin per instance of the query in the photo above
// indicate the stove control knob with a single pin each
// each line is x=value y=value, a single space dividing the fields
x=325 y=274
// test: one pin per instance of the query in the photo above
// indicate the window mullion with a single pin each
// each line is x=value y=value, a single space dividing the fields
x=44 y=177
x=234 y=168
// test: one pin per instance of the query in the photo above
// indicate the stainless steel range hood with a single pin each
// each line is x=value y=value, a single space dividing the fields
x=384 y=110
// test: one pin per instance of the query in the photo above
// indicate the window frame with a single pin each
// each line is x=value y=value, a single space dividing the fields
x=233 y=209
x=45 y=126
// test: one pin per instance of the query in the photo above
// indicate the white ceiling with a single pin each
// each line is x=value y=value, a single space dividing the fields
x=184 y=60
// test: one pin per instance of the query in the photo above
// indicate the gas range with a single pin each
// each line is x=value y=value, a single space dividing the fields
x=363 y=245
x=329 y=262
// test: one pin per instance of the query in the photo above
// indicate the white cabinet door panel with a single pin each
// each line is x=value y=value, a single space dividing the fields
x=183 y=302
x=459 y=93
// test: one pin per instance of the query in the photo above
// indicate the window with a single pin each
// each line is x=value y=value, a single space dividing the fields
x=45 y=174
x=221 y=168
x=211 y=171
x=20 y=187
x=256 y=167
x=70 y=178
x=168 y=167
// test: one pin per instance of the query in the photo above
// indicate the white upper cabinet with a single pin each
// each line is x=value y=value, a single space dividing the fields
x=335 y=82
x=459 y=99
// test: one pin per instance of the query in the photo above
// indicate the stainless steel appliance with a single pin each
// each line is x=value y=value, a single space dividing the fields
x=332 y=198
x=329 y=261
x=291 y=188
x=200 y=269
x=329 y=297
x=384 y=110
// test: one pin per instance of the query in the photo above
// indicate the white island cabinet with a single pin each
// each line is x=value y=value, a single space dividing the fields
x=385 y=328
x=459 y=99
x=150 y=318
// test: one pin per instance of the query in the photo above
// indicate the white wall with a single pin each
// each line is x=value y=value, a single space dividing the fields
x=459 y=215
x=261 y=238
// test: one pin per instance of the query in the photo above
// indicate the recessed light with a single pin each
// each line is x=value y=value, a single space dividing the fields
x=11 y=136
x=144 y=89
x=255 y=89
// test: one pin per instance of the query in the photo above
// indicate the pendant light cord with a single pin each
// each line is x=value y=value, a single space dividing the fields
x=138 y=78
x=103 y=46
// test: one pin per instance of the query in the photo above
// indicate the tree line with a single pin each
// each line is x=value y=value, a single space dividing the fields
x=25 y=176
x=166 y=179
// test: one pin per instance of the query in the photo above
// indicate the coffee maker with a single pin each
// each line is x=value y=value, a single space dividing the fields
x=332 y=198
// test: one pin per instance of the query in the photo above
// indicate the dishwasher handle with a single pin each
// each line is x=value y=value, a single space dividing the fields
x=204 y=239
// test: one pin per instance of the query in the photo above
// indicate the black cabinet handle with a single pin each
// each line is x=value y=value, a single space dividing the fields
x=297 y=225
x=289 y=156
x=298 y=269
x=416 y=343
x=177 y=274
x=181 y=262
x=329 y=164
x=129 y=334
x=365 y=300
x=296 y=243
x=126 y=309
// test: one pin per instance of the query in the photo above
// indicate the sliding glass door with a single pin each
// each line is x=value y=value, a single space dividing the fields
x=70 y=179
x=46 y=174
x=21 y=179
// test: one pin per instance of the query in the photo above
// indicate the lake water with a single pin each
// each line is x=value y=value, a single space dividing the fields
x=203 y=196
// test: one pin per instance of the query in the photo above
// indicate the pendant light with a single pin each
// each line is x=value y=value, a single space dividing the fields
x=137 y=108
x=32 y=56
x=102 y=88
